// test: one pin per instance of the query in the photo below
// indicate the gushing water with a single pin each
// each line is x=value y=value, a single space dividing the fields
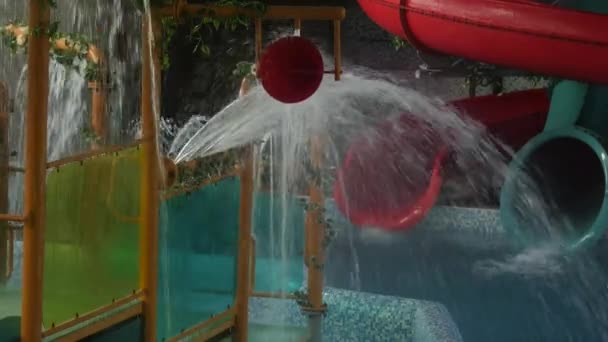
x=344 y=112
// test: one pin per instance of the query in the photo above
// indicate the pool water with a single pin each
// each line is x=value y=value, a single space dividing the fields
x=457 y=258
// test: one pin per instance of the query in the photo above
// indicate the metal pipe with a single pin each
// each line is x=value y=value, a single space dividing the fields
x=314 y=235
x=271 y=13
x=4 y=172
x=12 y=218
x=17 y=169
x=96 y=313
x=98 y=112
x=297 y=27
x=226 y=316
x=91 y=154
x=244 y=253
x=258 y=40
x=337 y=51
x=150 y=169
x=35 y=172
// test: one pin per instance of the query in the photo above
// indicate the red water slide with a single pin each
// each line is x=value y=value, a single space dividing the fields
x=520 y=34
x=377 y=185
x=527 y=35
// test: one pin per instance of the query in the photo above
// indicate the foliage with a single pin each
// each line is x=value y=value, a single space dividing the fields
x=89 y=136
x=75 y=56
x=245 y=69
x=398 y=43
x=205 y=23
x=200 y=170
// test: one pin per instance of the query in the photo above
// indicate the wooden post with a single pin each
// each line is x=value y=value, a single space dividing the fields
x=258 y=39
x=314 y=236
x=150 y=180
x=337 y=51
x=4 y=173
x=297 y=27
x=35 y=171
x=98 y=112
x=244 y=253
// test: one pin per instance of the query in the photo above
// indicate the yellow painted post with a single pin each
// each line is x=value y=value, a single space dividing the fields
x=337 y=51
x=150 y=180
x=314 y=236
x=4 y=173
x=35 y=171
x=244 y=254
x=98 y=112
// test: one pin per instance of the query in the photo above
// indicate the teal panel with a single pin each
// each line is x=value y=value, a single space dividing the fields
x=198 y=254
x=278 y=226
x=198 y=251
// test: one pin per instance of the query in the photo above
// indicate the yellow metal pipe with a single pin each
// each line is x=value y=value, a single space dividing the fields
x=17 y=169
x=35 y=172
x=98 y=112
x=244 y=252
x=150 y=180
x=315 y=232
x=12 y=218
x=4 y=172
x=271 y=13
x=97 y=313
x=102 y=324
x=337 y=51
x=227 y=316
x=258 y=39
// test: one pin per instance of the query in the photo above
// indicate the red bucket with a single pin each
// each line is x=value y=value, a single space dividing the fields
x=291 y=69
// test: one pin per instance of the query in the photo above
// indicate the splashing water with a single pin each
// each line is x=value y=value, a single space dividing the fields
x=352 y=108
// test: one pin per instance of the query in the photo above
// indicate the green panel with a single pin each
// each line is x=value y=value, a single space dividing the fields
x=91 y=241
x=198 y=255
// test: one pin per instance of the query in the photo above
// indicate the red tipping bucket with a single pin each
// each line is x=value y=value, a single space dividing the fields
x=291 y=69
x=391 y=178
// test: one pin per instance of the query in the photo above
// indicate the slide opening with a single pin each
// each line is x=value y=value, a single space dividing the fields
x=570 y=178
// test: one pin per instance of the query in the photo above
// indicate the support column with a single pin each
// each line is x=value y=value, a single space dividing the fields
x=150 y=173
x=4 y=174
x=314 y=236
x=35 y=171
x=337 y=50
x=244 y=254
x=98 y=112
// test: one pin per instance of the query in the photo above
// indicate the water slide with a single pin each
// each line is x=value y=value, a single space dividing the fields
x=529 y=35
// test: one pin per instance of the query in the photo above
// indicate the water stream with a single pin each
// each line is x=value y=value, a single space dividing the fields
x=340 y=113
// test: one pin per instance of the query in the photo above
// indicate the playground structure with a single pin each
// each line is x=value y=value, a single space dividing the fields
x=135 y=173
x=135 y=196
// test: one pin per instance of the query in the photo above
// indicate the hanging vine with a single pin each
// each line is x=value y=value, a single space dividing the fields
x=15 y=36
x=205 y=23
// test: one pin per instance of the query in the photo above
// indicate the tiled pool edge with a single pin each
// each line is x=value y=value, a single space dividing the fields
x=357 y=316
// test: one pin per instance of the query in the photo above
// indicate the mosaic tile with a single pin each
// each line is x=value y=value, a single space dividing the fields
x=356 y=316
